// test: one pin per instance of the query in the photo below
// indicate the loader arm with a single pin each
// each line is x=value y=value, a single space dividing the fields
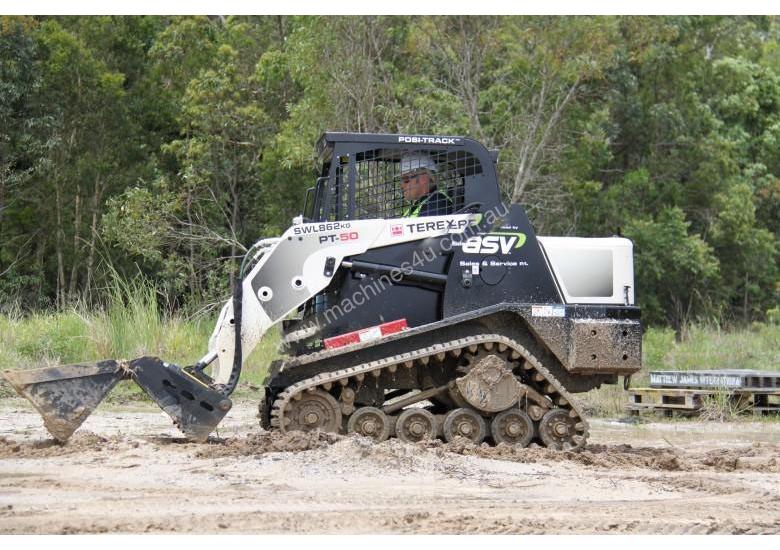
x=286 y=272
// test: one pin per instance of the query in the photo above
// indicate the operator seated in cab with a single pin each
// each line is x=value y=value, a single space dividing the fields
x=418 y=183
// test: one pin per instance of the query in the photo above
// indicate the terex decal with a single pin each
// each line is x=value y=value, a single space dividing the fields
x=502 y=242
x=441 y=225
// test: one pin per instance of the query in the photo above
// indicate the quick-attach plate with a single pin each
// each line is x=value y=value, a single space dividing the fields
x=194 y=406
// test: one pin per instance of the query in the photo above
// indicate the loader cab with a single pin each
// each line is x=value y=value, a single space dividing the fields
x=361 y=174
x=360 y=178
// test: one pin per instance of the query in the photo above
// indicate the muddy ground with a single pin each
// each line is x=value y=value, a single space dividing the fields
x=130 y=472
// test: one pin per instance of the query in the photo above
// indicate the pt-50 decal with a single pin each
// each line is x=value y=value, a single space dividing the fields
x=340 y=237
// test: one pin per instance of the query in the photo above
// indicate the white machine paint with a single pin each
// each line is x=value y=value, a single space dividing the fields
x=592 y=271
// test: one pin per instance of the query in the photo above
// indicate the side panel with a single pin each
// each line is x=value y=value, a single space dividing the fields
x=500 y=264
x=359 y=300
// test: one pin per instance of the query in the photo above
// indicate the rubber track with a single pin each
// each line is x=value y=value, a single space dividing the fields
x=568 y=403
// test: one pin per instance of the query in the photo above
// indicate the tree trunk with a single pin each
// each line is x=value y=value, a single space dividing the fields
x=2 y=193
x=234 y=217
x=40 y=254
x=194 y=284
x=76 y=246
x=280 y=28
x=58 y=246
x=93 y=234
x=2 y=206
x=471 y=67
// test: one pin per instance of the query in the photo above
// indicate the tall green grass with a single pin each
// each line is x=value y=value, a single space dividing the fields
x=703 y=348
x=130 y=324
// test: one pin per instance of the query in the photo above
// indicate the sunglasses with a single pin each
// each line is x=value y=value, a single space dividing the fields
x=409 y=177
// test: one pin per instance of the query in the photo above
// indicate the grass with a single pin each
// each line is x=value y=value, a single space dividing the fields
x=130 y=325
x=705 y=348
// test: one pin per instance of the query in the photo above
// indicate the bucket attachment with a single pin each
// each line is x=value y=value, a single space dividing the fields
x=66 y=395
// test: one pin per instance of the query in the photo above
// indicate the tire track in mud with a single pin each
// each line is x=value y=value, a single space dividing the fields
x=146 y=479
x=758 y=457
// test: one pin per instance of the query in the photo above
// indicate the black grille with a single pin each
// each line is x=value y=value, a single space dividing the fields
x=376 y=176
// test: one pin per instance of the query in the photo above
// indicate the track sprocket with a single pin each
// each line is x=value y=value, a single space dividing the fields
x=312 y=410
x=559 y=430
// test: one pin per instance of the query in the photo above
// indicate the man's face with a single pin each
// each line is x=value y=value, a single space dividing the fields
x=416 y=185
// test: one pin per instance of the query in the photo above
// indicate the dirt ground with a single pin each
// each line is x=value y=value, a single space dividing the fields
x=130 y=472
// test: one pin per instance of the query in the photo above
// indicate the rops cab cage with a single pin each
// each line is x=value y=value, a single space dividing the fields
x=361 y=175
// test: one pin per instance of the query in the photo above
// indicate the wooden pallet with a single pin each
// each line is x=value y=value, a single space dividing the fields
x=692 y=400
x=726 y=379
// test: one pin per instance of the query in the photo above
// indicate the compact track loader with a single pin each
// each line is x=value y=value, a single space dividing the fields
x=399 y=317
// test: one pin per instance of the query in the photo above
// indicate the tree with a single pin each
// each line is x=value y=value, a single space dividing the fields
x=748 y=254
x=166 y=145
x=85 y=151
x=676 y=273
x=21 y=150
x=201 y=221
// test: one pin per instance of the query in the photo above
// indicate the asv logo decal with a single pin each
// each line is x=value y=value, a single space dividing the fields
x=494 y=243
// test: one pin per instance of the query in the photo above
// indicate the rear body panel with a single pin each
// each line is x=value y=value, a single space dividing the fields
x=592 y=270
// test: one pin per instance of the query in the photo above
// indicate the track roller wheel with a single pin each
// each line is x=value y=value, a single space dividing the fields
x=513 y=427
x=370 y=422
x=315 y=410
x=464 y=423
x=558 y=430
x=415 y=425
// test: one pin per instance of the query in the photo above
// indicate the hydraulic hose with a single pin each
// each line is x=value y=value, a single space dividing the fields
x=238 y=359
x=255 y=252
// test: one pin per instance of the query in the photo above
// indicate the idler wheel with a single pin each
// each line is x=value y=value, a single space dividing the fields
x=558 y=430
x=317 y=410
x=464 y=423
x=370 y=422
x=415 y=425
x=513 y=427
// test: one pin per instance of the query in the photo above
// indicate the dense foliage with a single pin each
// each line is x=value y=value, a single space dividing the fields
x=164 y=146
